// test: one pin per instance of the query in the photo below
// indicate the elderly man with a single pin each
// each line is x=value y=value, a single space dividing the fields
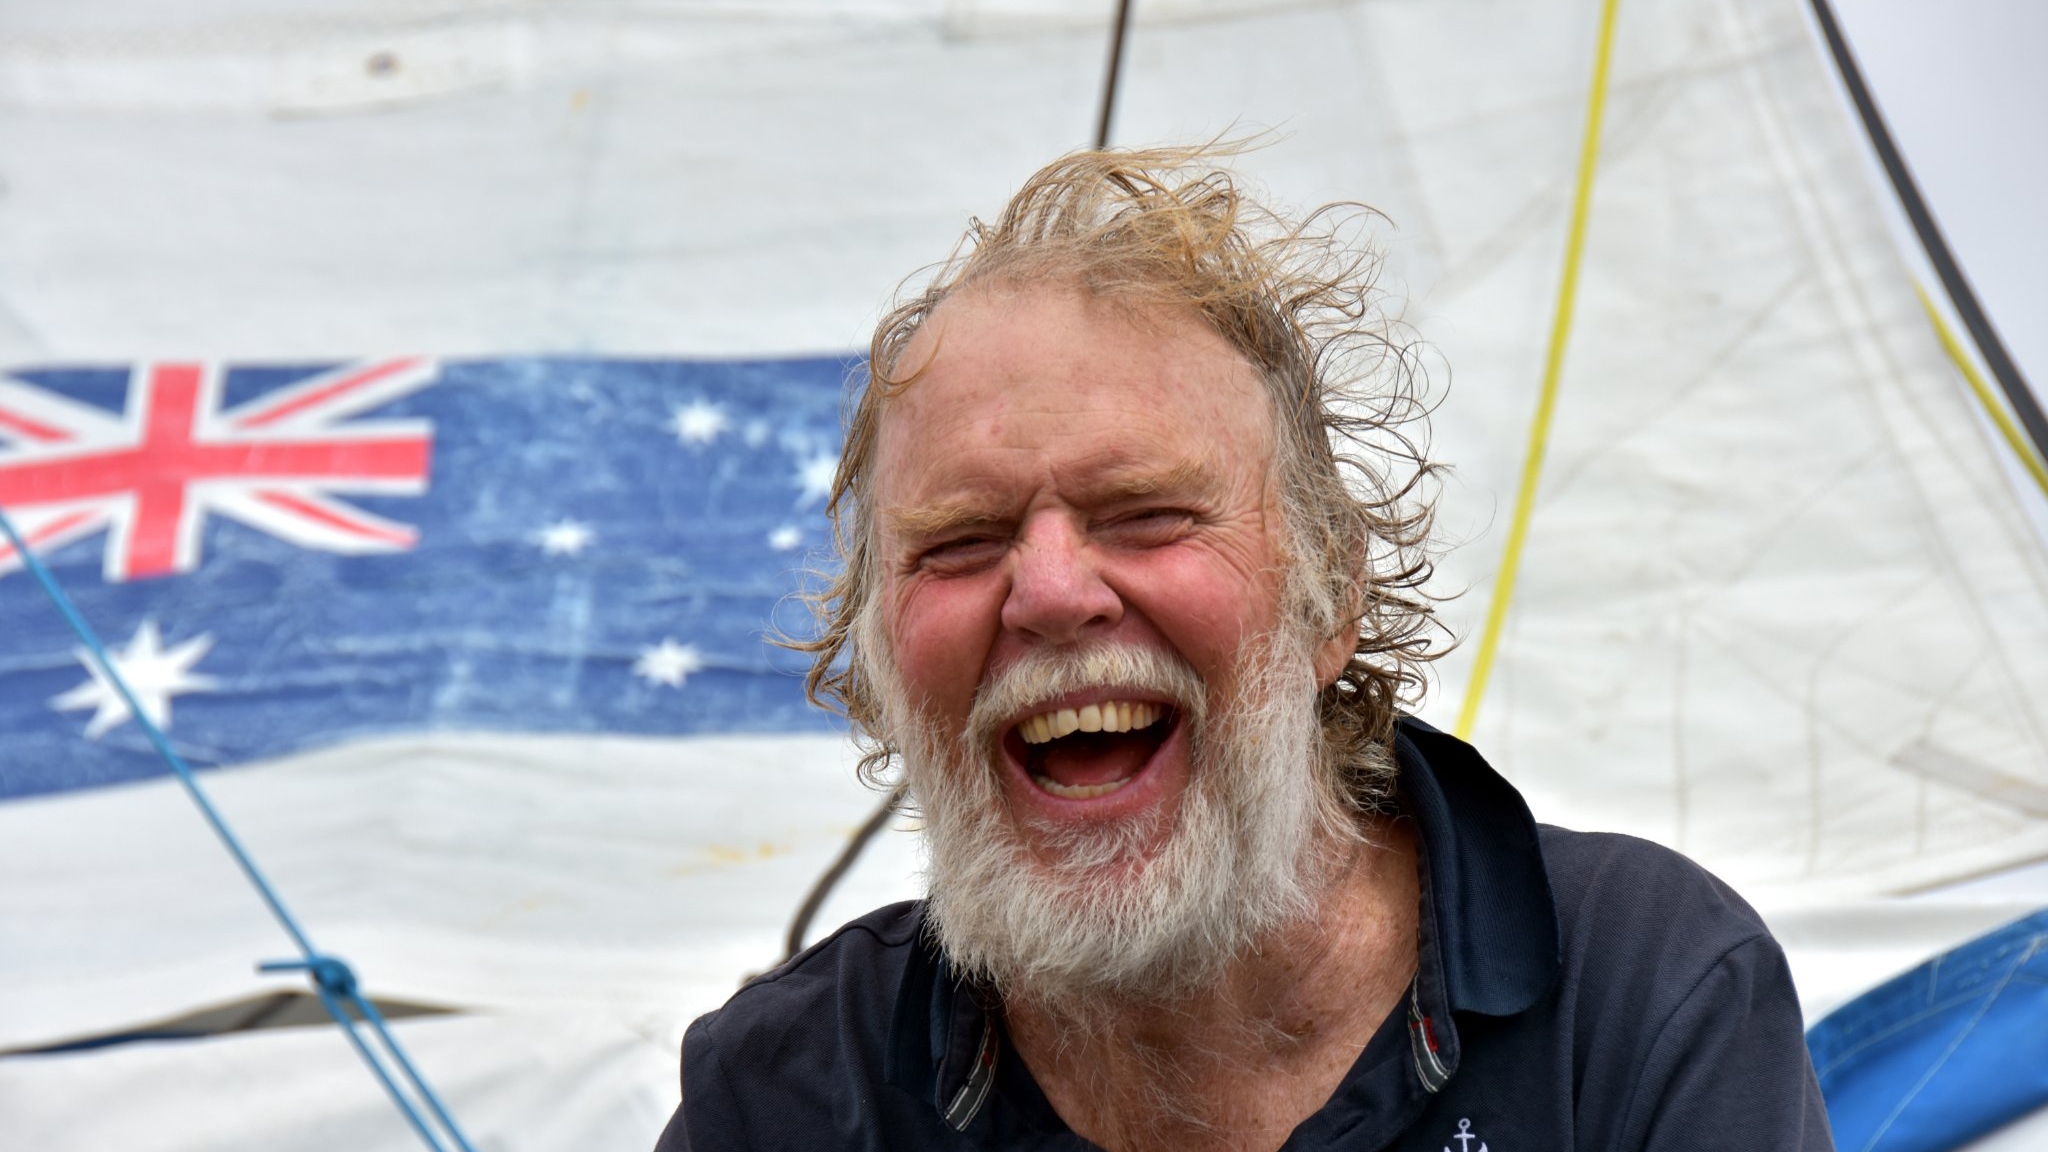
x=1130 y=592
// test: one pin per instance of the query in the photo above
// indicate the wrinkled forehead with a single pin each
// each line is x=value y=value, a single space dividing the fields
x=1014 y=364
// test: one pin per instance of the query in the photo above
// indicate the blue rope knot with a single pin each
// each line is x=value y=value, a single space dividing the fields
x=330 y=972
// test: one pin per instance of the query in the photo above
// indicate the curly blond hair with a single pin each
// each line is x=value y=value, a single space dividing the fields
x=1297 y=300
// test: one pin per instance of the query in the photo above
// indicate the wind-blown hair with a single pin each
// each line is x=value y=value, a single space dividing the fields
x=1297 y=300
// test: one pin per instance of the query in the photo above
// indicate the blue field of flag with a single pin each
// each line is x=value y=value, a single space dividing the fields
x=283 y=557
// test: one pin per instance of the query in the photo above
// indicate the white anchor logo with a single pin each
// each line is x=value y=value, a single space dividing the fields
x=1465 y=1138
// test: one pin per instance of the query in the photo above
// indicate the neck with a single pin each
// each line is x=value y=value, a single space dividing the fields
x=1239 y=1063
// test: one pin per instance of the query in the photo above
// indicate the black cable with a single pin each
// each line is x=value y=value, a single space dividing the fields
x=2021 y=397
x=1116 y=60
x=847 y=855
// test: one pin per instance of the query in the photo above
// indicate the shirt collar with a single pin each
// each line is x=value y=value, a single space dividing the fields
x=1486 y=898
x=943 y=1044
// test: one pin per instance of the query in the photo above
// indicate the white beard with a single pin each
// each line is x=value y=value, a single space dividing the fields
x=1130 y=911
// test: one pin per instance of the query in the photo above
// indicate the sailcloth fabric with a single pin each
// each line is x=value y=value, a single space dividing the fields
x=501 y=719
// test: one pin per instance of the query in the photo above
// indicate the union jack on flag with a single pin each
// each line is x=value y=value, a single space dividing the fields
x=150 y=475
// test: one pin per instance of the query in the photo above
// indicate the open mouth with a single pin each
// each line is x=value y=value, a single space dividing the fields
x=1080 y=753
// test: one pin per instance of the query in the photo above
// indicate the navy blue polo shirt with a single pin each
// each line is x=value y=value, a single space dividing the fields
x=1573 y=991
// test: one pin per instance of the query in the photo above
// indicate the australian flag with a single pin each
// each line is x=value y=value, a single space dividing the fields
x=281 y=557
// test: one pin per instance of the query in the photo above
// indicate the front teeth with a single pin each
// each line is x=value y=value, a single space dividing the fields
x=1110 y=716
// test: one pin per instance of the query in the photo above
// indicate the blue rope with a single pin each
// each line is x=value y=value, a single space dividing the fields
x=331 y=976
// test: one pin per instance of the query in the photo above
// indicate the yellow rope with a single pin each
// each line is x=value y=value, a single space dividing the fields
x=1992 y=407
x=1539 y=429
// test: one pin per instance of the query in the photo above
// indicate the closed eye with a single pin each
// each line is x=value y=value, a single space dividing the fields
x=1147 y=528
x=961 y=555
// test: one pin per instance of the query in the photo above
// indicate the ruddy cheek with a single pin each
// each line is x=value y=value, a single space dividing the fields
x=941 y=643
x=1207 y=608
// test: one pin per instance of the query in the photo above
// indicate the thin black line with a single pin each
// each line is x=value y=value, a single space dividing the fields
x=2024 y=405
x=831 y=877
x=1116 y=60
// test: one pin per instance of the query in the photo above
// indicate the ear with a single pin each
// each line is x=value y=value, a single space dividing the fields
x=1335 y=653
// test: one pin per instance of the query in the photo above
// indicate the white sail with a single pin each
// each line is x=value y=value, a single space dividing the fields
x=1784 y=602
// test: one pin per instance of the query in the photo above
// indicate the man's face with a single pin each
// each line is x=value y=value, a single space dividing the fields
x=1073 y=514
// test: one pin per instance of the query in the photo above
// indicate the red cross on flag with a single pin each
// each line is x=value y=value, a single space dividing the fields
x=151 y=475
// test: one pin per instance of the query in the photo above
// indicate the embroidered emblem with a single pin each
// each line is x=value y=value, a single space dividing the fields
x=1465 y=1138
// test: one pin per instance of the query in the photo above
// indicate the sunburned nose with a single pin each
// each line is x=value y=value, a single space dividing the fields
x=1057 y=594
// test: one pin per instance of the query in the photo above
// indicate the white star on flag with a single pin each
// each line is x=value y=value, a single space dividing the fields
x=668 y=663
x=152 y=674
x=565 y=537
x=814 y=476
x=785 y=538
x=699 y=422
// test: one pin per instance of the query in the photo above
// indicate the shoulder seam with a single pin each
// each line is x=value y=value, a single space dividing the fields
x=789 y=966
x=724 y=1082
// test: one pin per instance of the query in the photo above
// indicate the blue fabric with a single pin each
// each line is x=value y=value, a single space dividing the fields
x=683 y=498
x=1945 y=1053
